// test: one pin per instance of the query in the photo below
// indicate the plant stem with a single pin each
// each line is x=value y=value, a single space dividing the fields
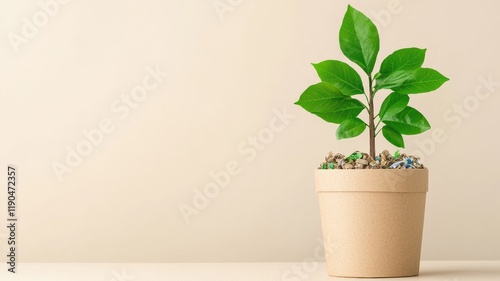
x=371 y=119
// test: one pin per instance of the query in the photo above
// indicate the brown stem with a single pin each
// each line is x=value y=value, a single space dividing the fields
x=371 y=121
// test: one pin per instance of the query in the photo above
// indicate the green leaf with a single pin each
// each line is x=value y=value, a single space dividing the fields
x=408 y=122
x=394 y=79
x=359 y=40
x=341 y=110
x=393 y=104
x=341 y=75
x=350 y=128
x=393 y=137
x=425 y=80
x=403 y=59
x=326 y=101
x=399 y=67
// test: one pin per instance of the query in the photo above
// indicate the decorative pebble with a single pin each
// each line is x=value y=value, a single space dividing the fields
x=397 y=154
x=360 y=160
x=397 y=164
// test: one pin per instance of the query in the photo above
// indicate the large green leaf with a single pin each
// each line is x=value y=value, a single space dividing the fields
x=359 y=40
x=403 y=59
x=350 y=128
x=399 y=67
x=394 y=79
x=425 y=80
x=393 y=104
x=408 y=122
x=326 y=101
x=393 y=136
x=341 y=75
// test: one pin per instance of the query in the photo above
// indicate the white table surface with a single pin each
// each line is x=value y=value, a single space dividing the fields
x=430 y=270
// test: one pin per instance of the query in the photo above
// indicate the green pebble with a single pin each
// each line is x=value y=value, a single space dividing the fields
x=356 y=155
x=397 y=154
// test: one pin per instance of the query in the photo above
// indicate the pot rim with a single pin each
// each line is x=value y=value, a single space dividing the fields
x=372 y=180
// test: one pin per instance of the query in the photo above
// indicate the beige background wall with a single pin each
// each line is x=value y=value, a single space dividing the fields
x=230 y=79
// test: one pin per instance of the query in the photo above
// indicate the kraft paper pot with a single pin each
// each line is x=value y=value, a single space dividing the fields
x=372 y=221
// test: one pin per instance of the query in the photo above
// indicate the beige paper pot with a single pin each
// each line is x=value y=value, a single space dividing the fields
x=372 y=221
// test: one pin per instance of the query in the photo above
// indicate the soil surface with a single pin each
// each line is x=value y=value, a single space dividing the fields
x=361 y=160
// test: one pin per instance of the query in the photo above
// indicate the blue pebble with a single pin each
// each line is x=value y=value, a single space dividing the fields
x=409 y=166
x=377 y=158
x=409 y=160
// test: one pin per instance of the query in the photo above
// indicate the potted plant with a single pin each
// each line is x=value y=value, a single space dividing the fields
x=372 y=206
